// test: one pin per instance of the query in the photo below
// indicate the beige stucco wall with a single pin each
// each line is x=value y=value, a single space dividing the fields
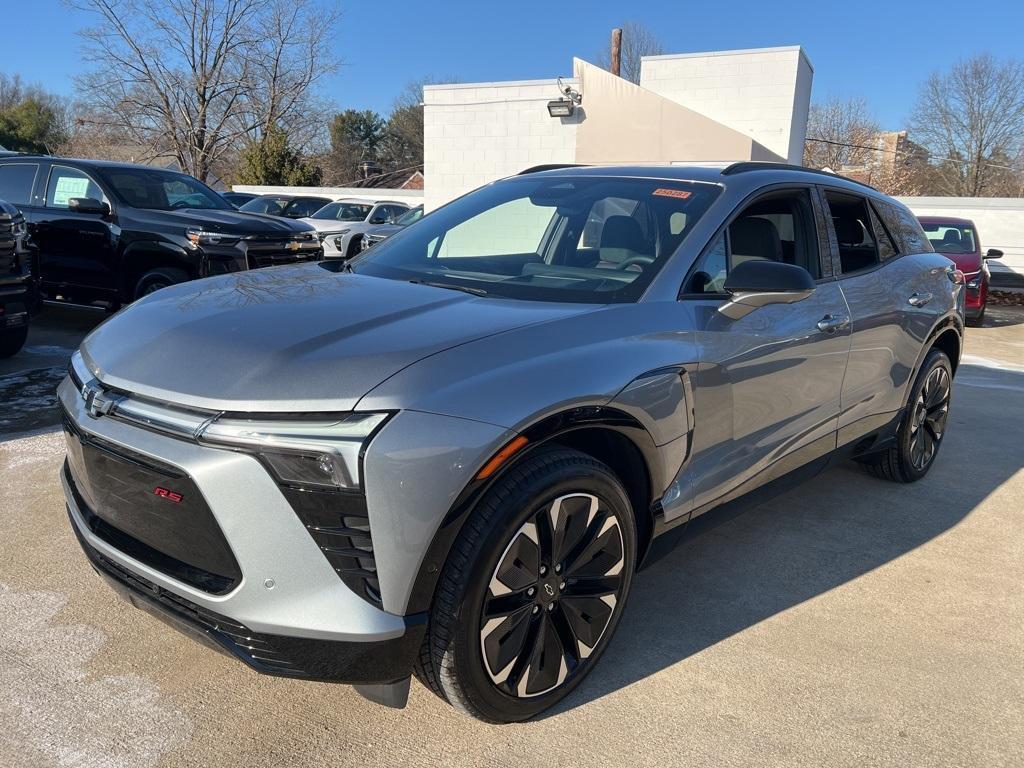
x=624 y=123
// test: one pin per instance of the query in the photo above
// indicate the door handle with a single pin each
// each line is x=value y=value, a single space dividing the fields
x=919 y=299
x=832 y=323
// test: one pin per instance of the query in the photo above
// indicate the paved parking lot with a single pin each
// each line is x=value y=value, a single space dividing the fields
x=847 y=622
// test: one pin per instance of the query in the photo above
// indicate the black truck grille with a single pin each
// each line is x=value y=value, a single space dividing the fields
x=340 y=526
x=272 y=251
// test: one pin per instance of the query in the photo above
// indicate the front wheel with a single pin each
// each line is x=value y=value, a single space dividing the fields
x=12 y=340
x=533 y=589
x=923 y=427
x=155 y=279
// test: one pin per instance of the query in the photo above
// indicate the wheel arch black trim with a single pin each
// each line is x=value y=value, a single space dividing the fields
x=948 y=326
x=548 y=431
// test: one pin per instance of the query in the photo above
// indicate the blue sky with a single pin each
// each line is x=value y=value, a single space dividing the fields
x=879 y=50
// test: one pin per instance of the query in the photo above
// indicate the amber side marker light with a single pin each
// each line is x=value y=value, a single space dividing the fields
x=501 y=457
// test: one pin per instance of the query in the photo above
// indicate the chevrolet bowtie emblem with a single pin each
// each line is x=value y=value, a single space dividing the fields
x=97 y=403
x=293 y=246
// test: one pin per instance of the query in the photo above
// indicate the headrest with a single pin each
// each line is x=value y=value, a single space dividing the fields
x=952 y=236
x=753 y=236
x=623 y=232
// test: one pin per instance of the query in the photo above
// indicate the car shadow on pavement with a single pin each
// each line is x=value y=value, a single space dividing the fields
x=741 y=564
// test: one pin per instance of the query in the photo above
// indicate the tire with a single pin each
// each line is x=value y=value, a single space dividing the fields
x=12 y=340
x=156 y=279
x=909 y=460
x=461 y=653
x=354 y=246
x=976 y=322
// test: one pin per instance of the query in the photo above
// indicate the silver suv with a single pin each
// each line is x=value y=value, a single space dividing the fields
x=450 y=456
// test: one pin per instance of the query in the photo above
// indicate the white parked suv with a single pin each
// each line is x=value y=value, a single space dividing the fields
x=340 y=225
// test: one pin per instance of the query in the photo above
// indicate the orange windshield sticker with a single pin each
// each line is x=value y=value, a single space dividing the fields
x=682 y=194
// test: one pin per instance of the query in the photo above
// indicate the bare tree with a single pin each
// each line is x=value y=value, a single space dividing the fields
x=198 y=80
x=637 y=41
x=971 y=119
x=840 y=132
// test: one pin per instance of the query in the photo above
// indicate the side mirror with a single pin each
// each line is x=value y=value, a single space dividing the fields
x=993 y=253
x=760 y=282
x=88 y=205
x=378 y=220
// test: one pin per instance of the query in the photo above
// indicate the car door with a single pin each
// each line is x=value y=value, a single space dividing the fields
x=75 y=249
x=767 y=390
x=890 y=297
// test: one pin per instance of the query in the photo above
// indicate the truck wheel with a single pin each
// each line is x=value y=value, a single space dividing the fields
x=12 y=340
x=532 y=590
x=924 y=425
x=156 y=279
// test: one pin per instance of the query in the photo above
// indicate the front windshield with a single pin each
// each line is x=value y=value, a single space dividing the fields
x=343 y=212
x=159 y=190
x=568 y=238
x=950 y=238
x=409 y=217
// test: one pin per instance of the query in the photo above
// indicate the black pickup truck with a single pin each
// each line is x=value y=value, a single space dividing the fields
x=17 y=282
x=112 y=232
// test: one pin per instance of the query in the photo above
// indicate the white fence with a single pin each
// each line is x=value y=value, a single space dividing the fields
x=1000 y=223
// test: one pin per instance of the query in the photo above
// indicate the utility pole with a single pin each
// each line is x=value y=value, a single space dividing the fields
x=617 y=52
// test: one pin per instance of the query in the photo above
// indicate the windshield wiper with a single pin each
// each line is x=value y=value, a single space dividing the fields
x=452 y=286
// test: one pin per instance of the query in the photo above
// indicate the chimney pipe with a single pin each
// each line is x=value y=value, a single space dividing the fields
x=617 y=52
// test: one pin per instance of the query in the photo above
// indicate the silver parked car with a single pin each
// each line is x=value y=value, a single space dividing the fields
x=449 y=456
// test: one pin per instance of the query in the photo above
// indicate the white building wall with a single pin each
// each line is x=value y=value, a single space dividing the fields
x=765 y=93
x=999 y=222
x=476 y=133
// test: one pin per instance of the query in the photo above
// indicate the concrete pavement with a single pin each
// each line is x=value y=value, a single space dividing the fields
x=847 y=622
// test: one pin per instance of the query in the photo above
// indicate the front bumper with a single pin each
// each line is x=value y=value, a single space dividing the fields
x=289 y=613
x=381 y=661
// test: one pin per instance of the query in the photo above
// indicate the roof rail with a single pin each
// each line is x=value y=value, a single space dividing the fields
x=756 y=165
x=549 y=167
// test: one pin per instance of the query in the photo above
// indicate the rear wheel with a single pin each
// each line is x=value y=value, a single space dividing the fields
x=155 y=279
x=533 y=589
x=924 y=425
x=12 y=340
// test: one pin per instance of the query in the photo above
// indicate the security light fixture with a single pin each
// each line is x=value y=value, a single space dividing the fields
x=561 y=108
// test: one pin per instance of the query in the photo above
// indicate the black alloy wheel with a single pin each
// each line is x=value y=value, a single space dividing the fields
x=551 y=596
x=533 y=588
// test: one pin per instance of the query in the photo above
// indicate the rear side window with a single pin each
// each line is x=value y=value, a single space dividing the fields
x=886 y=248
x=904 y=227
x=16 y=180
x=66 y=183
x=851 y=223
x=305 y=206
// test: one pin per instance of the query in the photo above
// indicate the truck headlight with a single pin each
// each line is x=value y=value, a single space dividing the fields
x=311 y=453
x=198 y=237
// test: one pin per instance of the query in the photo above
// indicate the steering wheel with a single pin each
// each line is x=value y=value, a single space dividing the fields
x=183 y=203
x=638 y=260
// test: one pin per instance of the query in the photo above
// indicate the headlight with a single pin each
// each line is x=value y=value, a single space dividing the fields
x=321 y=453
x=199 y=237
x=324 y=235
x=975 y=282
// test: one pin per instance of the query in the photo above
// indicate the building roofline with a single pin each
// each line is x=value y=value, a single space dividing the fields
x=501 y=84
x=734 y=52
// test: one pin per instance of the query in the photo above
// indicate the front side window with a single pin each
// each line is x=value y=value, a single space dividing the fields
x=304 y=206
x=525 y=238
x=409 y=217
x=272 y=205
x=67 y=183
x=16 y=180
x=153 y=189
x=777 y=227
x=858 y=249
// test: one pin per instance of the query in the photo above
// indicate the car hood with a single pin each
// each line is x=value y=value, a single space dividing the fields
x=302 y=338
x=233 y=222
x=332 y=225
x=967 y=263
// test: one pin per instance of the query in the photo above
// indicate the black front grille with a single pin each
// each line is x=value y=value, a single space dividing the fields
x=340 y=526
x=151 y=512
x=269 y=251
